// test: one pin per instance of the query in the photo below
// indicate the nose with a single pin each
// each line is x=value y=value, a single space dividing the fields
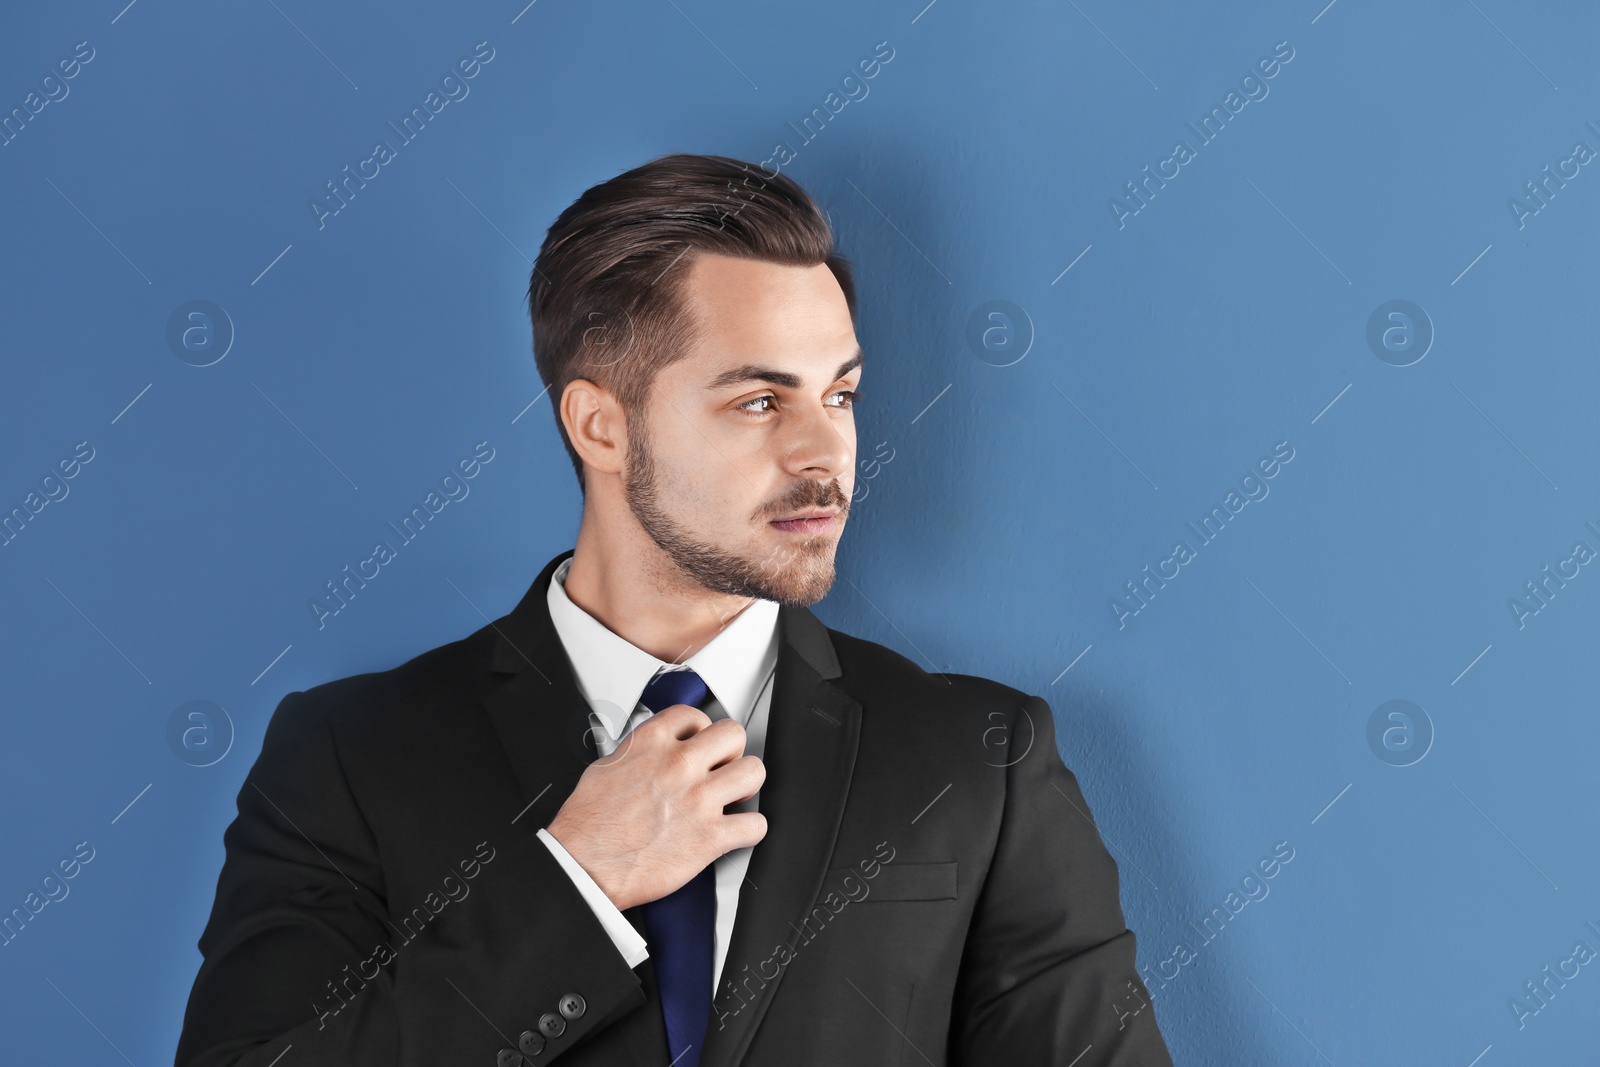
x=822 y=445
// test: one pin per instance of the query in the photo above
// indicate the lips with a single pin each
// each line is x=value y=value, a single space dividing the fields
x=808 y=522
x=819 y=513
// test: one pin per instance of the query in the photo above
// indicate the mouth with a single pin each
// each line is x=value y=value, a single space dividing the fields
x=814 y=521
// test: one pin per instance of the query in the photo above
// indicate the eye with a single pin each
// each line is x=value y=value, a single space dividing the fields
x=850 y=398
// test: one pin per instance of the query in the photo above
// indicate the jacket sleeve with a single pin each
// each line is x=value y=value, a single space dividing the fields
x=300 y=949
x=1048 y=973
x=629 y=941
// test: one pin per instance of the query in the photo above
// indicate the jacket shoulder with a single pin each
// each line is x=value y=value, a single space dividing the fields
x=867 y=662
x=440 y=675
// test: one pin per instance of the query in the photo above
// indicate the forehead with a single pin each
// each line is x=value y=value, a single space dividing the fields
x=748 y=310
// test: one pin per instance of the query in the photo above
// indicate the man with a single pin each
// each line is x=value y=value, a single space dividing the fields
x=794 y=847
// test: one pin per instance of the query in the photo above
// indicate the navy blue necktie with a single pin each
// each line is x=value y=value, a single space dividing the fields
x=680 y=927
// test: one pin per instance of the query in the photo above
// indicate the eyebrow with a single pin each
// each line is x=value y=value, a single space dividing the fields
x=751 y=372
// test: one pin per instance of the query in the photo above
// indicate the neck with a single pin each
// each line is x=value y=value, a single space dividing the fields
x=634 y=589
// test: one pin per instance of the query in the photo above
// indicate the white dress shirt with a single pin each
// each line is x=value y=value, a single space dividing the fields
x=737 y=666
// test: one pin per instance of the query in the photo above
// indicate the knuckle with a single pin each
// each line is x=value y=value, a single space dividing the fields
x=677 y=759
x=735 y=739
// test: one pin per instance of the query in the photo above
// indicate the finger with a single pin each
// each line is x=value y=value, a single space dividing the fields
x=736 y=782
x=718 y=744
x=741 y=830
x=680 y=721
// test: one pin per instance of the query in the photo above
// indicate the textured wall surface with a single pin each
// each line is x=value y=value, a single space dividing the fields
x=1323 y=275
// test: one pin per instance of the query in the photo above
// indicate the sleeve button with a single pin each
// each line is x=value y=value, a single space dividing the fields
x=572 y=1006
x=531 y=1043
x=509 y=1057
x=552 y=1025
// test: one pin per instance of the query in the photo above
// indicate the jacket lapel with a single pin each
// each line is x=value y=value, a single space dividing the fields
x=535 y=706
x=542 y=720
x=813 y=729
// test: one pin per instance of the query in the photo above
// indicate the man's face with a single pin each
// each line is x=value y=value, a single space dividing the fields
x=756 y=425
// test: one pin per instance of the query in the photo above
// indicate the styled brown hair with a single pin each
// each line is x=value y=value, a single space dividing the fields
x=605 y=295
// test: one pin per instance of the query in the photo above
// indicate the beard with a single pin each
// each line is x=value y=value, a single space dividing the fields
x=798 y=574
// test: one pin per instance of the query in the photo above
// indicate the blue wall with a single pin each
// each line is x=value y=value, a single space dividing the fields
x=1057 y=387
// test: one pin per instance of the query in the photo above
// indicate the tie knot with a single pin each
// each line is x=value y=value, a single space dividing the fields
x=675 y=687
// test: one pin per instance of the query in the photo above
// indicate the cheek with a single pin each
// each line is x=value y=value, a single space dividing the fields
x=710 y=477
x=699 y=485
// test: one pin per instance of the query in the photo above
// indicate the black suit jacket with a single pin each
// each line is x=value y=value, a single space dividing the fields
x=931 y=888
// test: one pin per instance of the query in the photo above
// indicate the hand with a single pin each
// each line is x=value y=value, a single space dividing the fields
x=649 y=817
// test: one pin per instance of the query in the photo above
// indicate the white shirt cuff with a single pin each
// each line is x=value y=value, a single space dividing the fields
x=633 y=947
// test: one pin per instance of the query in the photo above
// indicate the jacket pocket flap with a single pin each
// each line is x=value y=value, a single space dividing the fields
x=900 y=881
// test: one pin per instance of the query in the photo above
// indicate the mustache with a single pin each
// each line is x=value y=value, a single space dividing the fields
x=812 y=494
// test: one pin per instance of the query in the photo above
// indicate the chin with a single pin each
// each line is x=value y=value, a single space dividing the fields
x=797 y=574
x=804 y=593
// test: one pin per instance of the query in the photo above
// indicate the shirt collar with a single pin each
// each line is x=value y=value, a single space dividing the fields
x=612 y=673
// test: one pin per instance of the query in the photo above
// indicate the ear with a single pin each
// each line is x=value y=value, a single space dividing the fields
x=595 y=424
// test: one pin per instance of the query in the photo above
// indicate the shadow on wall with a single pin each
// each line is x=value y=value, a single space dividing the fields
x=1150 y=828
x=921 y=517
